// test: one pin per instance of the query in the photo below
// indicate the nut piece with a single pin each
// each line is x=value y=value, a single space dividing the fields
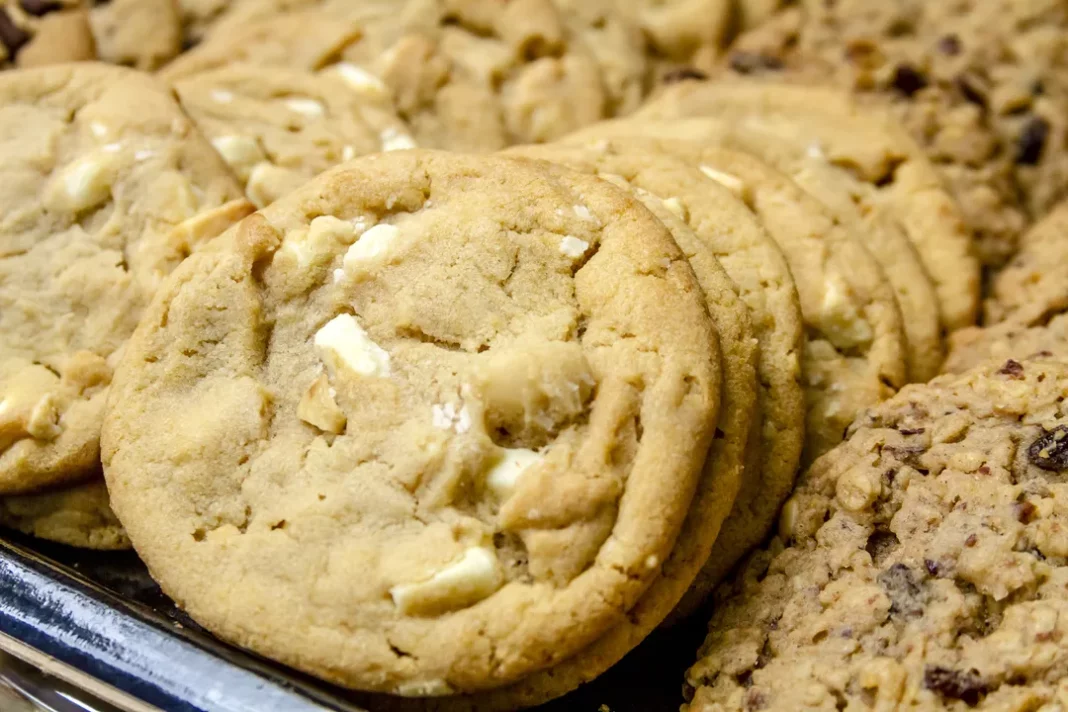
x=317 y=407
x=28 y=407
x=475 y=576
x=508 y=468
x=361 y=80
x=344 y=346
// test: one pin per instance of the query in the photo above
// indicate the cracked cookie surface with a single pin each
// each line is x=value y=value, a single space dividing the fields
x=417 y=415
x=922 y=564
x=108 y=186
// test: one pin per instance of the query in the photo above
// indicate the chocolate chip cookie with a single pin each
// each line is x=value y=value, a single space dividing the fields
x=107 y=187
x=414 y=418
x=863 y=141
x=921 y=565
x=38 y=32
x=278 y=128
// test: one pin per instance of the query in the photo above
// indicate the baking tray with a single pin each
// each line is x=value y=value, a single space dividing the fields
x=96 y=621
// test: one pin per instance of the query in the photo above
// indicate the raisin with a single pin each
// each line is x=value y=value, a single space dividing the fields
x=1032 y=142
x=966 y=686
x=37 y=8
x=683 y=74
x=753 y=62
x=1013 y=369
x=12 y=36
x=949 y=45
x=1050 y=450
x=908 y=80
x=907 y=595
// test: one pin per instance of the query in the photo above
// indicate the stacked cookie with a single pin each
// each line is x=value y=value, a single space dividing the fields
x=444 y=350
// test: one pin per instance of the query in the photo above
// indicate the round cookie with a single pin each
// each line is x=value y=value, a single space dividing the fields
x=418 y=414
x=921 y=566
x=144 y=34
x=278 y=128
x=841 y=192
x=1035 y=283
x=107 y=187
x=38 y=32
x=854 y=355
x=78 y=516
x=726 y=227
x=864 y=141
x=1007 y=340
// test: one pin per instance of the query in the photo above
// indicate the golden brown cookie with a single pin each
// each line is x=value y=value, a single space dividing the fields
x=417 y=415
x=77 y=516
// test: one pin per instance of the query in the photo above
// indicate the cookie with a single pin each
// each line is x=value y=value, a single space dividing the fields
x=108 y=186
x=978 y=82
x=682 y=32
x=854 y=355
x=39 y=32
x=1035 y=283
x=468 y=76
x=77 y=516
x=417 y=413
x=1007 y=340
x=724 y=225
x=842 y=194
x=921 y=564
x=278 y=128
x=867 y=143
x=136 y=33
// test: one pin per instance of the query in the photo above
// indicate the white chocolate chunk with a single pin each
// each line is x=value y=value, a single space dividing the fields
x=732 y=183
x=372 y=245
x=86 y=182
x=241 y=153
x=43 y=423
x=584 y=213
x=573 y=247
x=222 y=96
x=394 y=140
x=344 y=345
x=447 y=417
x=328 y=227
x=476 y=575
x=112 y=148
x=676 y=207
x=306 y=107
x=99 y=130
x=839 y=316
x=510 y=466
x=815 y=150
x=360 y=79
x=348 y=153
x=144 y=154
x=267 y=182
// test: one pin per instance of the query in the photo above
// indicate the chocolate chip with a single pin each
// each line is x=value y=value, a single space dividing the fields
x=1025 y=511
x=753 y=62
x=1013 y=369
x=949 y=45
x=684 y=74
x=1050 y=450
x=40 y=7
x=907 y=595
x=965 y=686
x=1032 y=142
x=12 y=36
x=931 y=566
x=908 y=80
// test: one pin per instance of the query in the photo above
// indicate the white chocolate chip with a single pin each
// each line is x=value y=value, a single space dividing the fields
x=306 y=107
x=394 y=140
x=99 y=130
x=343 y=345
x=651 y=562
x=476 y=575
x=676 y=207
x=112 y=148
x=447 y=417
x=814 y=150
x=87 y=182
x=573 y=247
x=348 y=153
x=267 y=182
x=584 y=213
x=144 y=154
x=360 y=79
x=502 y=478
x=840 y=318
x=43 y=423
x=222 y=96
x=372 y=245
x=241 y=153
x=732 y=183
